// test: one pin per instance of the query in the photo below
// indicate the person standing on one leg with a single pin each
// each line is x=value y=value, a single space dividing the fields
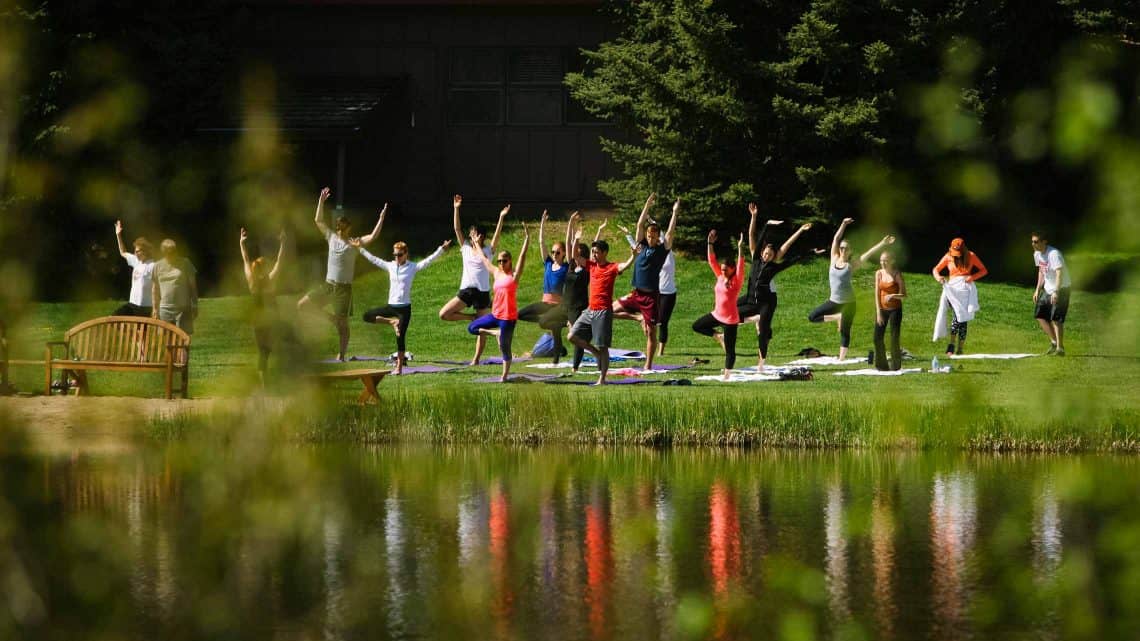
x=575 y=290
x=1053 y=275
x=475 y=284
x=840 y=304
x=729 y=280
x=594 y=327
x=174 y=288
x=504 y=309
x=667 y=290
x=341 y=266
x=643 y=301
x=759 y=302
x=141 y=261
x=262 y=283
x=890 y=290
x=398 y=311
x=961 y=263
x=555 y=270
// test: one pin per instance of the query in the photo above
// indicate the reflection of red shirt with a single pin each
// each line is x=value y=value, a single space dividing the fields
x=602 y=284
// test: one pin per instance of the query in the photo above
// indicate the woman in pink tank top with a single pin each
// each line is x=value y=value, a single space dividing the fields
x=504 y=304
x=729 y=279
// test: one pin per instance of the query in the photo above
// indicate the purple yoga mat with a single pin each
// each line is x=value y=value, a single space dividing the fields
x=426 y=369
x=617 y=381
x=517 y=378
x=496 y=360
x=369 y=358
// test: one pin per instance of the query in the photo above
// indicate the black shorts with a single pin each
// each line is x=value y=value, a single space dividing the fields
x=1046 y=310
x=475 y=297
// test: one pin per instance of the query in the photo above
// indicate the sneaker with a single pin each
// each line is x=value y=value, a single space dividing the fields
x=1060 y=351
x=950 y=349
x=1052 y=349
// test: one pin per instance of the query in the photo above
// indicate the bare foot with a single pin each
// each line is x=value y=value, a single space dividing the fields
x=719 y=338
x=726 y=374
x=395 y=325
x=660 y=349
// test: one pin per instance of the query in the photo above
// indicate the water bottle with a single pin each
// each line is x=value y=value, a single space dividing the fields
x=934 y=364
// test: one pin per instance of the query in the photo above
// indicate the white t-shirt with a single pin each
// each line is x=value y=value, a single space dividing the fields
x=400 y=277
x=140 y=280
x=667 y=282
x=342 y=259
x=475 y=273
x=1048 y=263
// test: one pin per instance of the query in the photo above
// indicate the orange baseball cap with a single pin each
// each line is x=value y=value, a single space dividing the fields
x=956 y=247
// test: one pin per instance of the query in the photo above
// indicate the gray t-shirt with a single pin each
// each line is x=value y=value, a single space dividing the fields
x=342 y=259
x=173 y=280
x=840 y=280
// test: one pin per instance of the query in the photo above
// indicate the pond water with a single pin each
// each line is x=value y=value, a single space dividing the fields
x=246 y=540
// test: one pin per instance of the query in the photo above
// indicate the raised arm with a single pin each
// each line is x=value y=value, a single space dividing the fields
x=715 y=266
x=643 y=219
x=431 y=258
x=598 y=234
x=369 y=256
x=246 y=267
x=839 y=237
x=865 y=256
x=364 y=240
x=740 y=255
x=522 y=252
x=319 y=218
x=628 y=236
x=541 y=229
x=478 y=249
x=280 y=254
x=791 y=241
x=629 y=261
x=672 y=225
x=570 y=225
x=119 y=239
x=499 y=228
x=456 y=201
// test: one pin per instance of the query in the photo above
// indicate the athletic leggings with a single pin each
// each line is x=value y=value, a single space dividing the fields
x=892 y=319
x=847 y=316
x=706 y=324
x=666 y=303
x=402 y=312
x=554 y=321
x=957 y=328
x=765 y=308
x=506 y=332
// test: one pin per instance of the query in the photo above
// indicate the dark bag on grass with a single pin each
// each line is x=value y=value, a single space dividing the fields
x=810 y=352
x=797 y=374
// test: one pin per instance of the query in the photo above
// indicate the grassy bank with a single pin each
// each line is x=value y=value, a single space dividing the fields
x=1087 y=400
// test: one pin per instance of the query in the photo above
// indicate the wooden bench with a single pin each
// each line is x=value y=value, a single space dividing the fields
x=120 y=344
x=369 y=377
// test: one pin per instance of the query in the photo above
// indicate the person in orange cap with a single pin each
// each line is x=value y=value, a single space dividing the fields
x=960 y=262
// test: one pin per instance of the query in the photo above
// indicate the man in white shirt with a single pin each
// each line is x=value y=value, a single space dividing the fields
x=1052 y=276
x=142 y=268
x=337 y=287
x=398 y=311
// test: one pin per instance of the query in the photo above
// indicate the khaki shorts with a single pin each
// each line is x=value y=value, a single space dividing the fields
x=339 y=294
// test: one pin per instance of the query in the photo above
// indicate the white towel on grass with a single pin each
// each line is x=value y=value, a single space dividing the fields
x=876 y=372
x=965 y=357
x=738 y=376
x=963 y=297
x=560 y=365
x=826 y=360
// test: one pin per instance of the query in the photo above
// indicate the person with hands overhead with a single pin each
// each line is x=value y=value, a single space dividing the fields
x=341 y=266
x=475 y=283
x=504 y=308
x=758 y=305
x=729 y=280
x=141 y=261
x=667 y=285
x=555 y=270
x=401 y=273
x=262 y=283
x=593 y=329
x=642 y=303
x=840 y=304
x=575 y=290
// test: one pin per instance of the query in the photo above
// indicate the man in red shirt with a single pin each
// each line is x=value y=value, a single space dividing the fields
x=594 y=327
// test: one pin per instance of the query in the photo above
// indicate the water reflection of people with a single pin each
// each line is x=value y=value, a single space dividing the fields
x=953 y=520
x=883 y=561
x=499 y=527
x=1047 y=535
x=599 y=562
x=724 y=550
x=836 y=554
x=394 y=542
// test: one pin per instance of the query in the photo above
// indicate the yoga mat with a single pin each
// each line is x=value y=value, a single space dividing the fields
x=621 y=355
x=875 y=372
x=827 y=360
x=620 y=381
x=370 y=358
x=966 y=357
x=637 y=371
x=425 y=369
x=486 y=361
x=561 y=365
x=518 y=378
x=739 y=377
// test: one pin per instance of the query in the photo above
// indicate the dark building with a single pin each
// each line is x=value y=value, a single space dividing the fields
x=410 y=102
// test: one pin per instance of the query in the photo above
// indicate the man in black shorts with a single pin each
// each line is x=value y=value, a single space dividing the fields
x=1052 y=275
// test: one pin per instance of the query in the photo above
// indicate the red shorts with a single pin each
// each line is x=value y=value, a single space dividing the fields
x=644 y=302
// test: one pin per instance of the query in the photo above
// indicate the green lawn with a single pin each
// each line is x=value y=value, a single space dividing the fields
x=1096 y=383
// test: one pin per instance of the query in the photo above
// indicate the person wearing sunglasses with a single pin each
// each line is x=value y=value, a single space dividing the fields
x=504 y=305
x=398 y=311
x=555 y=269
x=729 y=280
x=840 y=304
x=575 y=290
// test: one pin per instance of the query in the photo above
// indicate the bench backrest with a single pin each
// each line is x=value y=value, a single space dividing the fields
x=125 y=339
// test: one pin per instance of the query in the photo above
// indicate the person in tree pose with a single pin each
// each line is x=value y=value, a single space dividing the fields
x=729 y=280
x=337 y=287
x=575 y=290
x=554 y=273
x=593 y=328
x=262 y=282
x=475 y=284
x=961 y=263
x=890 y=290
x=643 y=301
x=401 y=274
x=141 y=261
x=667 y=285
x=1052 y=275
x=840 y=304
x=504 y=308
x=759 y=302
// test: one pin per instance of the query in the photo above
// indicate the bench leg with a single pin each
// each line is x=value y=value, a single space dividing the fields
x=186 y=380
x=81 y=388
x=369 y=394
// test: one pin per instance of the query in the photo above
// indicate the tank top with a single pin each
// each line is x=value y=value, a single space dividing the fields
x=889 y=288
x=841 y=289
x=505 y=304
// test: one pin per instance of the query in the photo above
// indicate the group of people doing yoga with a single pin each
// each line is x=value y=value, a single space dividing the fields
x=578 y=288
